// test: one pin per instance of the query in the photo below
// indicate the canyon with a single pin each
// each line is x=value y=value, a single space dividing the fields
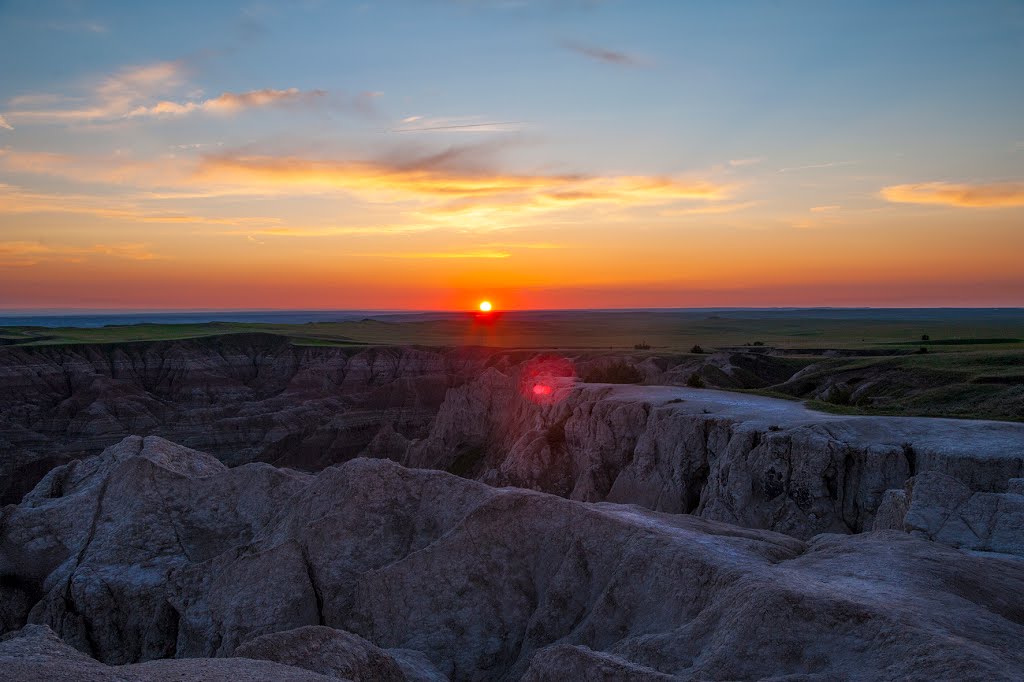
x=243 y=504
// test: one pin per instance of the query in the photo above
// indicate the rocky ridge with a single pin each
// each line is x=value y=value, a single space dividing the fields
x=369 y=570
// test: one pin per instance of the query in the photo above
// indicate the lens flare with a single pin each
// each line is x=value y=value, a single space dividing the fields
x=546 y=379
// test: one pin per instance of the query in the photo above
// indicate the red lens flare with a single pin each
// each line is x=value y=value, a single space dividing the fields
x=546 y=379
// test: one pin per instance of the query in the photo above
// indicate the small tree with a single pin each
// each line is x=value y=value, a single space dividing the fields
x=922 y=350
x=696 y=349
x=695 y=381
x=925 y=337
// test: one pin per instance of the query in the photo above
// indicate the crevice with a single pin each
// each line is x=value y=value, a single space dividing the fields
x=317 y=594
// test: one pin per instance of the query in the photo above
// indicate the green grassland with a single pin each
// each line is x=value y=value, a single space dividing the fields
x=663 y=331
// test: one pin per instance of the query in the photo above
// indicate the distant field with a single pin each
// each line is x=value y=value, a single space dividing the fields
x=664 y=331
x=855 y=362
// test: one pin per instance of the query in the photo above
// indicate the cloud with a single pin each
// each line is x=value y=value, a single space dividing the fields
x=79 y=27
x=231 y=103
x=712 y=209
x=825 y=209
x=736 y=163
x=437 y=177
x=334 y=230
x=463 y=124
x=484 y=254
x=450 y=186
x=142 y=91
x=603 y=55
x=817 y=166
x=984 y=195
x=15 y=201
x=5 y=125
x=112 y=97
x=29 y=253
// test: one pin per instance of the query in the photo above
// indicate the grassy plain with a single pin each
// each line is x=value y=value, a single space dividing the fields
x=884 y=330
x=973 y=367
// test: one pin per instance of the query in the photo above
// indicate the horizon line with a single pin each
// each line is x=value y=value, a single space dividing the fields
x=13 y=312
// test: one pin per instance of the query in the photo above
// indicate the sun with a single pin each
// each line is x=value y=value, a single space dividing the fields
x=485 y=306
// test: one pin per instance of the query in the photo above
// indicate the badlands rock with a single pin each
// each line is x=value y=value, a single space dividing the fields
x=256 y=397
x=941 y=508
x=241 y=397
x=36 y=654
x=744 y=459
x=153 y=550
x=327 y=651
x=96 y=540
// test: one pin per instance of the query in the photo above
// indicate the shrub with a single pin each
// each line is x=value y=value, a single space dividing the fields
x=616 y=373
x=921 y=351
x=697 y=349
x=925 y=337
x=758 y=343
x=695 y=381
x=643 y=345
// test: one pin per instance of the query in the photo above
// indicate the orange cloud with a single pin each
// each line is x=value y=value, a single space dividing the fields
x=13 y=200
x=441 y=190
x=988 y=195
x=428 y=180
x=113 y=97
x=230 y=102
x=130 y=93
x=27 y=253
x=710 y=210
x=483 y=254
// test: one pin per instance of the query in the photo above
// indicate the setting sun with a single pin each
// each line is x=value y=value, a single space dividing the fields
x=485 y=306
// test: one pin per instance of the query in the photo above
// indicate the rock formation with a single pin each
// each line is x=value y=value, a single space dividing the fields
x=155 y=551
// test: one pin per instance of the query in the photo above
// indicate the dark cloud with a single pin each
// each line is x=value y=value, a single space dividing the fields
x=602 y=54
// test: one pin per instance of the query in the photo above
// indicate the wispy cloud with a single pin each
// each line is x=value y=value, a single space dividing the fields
x=825 y=209
x=143 y=91
x=29 y=253
x=979 y=195
x=481 y=254
x=5 y=125
x=817 y=166
x=334 y=230
x=739 y=163
x=602 y=54
x=113 y=97
x=435 y=177
x=460 y=124
x=710 y=210
x=14 y=201
x=231 y=103
x=87 y=26
x=450 y=187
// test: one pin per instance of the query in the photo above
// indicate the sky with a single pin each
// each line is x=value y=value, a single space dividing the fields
x=537 y=153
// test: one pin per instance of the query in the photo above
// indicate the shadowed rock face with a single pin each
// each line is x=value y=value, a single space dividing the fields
x=501 y=417
x=154 y=550
x=243 y=398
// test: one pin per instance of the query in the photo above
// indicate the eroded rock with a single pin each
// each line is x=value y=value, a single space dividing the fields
x=487 y=583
